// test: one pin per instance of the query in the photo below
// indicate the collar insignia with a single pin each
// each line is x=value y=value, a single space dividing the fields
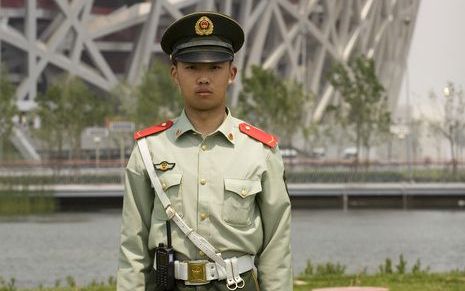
x=164 y=166
x=204 y=26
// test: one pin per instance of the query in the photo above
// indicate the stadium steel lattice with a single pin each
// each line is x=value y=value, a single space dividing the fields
x=104 y=42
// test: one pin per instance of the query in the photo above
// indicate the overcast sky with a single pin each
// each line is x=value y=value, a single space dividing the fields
x=437 y=52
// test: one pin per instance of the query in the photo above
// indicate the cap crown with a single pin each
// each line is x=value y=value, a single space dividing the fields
x=206 y=33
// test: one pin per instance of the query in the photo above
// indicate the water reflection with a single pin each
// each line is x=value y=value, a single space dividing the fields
x=41 y=249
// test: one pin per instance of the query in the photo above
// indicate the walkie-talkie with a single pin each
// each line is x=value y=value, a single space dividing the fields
x=164 y=255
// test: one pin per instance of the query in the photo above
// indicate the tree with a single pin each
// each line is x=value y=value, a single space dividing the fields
x=154 y=99
x=53 y=119
x=126 y=103
x=330 y=133
x=157 y=97
x=65 y=110
x=273 y=104
x=416 y=133
x=8 y=108
x=451 y=124
x=363 y=105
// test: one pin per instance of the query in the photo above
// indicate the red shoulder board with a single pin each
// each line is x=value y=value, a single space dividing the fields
x=258 y=134
x=153 y=129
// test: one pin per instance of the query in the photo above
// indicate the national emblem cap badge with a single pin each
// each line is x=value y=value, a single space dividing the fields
x=204 y=26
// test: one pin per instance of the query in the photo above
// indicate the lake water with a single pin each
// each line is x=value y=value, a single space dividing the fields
x=42 y=249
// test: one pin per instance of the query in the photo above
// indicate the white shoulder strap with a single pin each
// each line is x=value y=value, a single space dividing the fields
x=200 y=242
x=144 y=151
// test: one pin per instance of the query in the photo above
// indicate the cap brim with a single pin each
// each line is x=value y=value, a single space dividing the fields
x=199 y=55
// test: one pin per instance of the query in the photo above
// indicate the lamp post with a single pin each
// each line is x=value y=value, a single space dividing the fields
x=121 y=129
x=447 y=91
x=408 y=118
x=453 y=121
x=97 y=134
x=402 y=132
x=97 y=140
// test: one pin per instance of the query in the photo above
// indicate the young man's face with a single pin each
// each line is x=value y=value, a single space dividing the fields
x=203 y=86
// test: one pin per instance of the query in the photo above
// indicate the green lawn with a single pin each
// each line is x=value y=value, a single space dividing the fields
x=453 y=281
x=394 y=276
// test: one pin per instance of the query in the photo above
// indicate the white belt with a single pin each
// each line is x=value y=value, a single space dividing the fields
x=201 y=272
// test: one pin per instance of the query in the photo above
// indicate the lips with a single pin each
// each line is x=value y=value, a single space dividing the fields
x=203 y=91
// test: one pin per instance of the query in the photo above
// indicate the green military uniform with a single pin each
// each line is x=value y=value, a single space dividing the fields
x=227 y=186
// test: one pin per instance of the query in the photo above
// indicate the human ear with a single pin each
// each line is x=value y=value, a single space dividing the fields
x=232 y=73
x=174 y=74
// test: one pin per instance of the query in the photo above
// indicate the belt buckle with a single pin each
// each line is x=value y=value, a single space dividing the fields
x=196 y=272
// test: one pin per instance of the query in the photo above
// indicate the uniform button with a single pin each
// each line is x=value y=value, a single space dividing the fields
x=243 y=192
x=204 y=147
x=203 y=216
x=202 y=254
x=203 y=181
x=163 y=124
x=164 y=186
x=247 y=127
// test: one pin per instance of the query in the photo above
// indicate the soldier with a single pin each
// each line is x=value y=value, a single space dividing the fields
x=209 y=184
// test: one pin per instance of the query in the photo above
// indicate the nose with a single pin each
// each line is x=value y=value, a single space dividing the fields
x=203 y=80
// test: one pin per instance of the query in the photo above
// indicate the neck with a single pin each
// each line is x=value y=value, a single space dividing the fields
x=206 y=122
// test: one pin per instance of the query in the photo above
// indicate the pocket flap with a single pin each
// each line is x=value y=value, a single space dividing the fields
x=242 y=187
x=170 y=180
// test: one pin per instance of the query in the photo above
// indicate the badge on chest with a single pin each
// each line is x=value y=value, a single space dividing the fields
x=164 y=166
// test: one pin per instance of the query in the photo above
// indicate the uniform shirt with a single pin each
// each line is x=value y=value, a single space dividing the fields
x=227 y=186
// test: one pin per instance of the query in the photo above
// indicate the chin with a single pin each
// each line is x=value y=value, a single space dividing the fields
x=205 y=107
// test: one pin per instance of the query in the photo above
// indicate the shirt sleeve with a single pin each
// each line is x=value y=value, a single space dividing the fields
x=274 y=259
x=135 y=260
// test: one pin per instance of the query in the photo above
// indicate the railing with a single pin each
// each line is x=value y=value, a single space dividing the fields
x=297 y=171
x=301 y=162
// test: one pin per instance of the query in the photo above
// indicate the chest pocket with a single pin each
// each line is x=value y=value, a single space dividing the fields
x=171 y=184
x=239 y=200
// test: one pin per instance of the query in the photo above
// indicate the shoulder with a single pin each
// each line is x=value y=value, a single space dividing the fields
x=153 y=129
x=267 y=139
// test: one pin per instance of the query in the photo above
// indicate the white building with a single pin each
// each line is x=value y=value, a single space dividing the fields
x=104 y=41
